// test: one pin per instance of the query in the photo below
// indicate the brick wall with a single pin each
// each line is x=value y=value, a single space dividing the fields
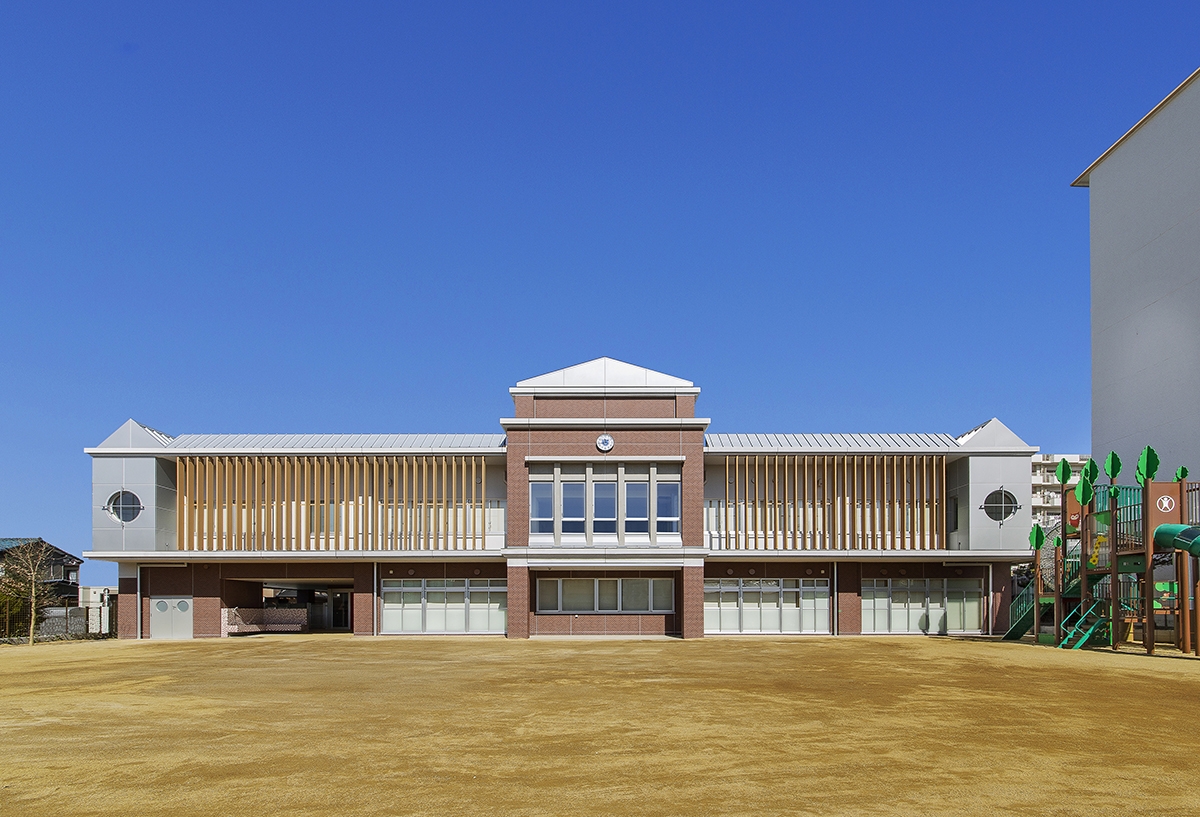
x=690 y=601
x=849 y=598
x=127 y=608
x=599 y=624
x=362 y=611
x=519 y=609
x=206 y=600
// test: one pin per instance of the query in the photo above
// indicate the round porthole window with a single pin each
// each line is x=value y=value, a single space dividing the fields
x=183 y=606
x=124 y=506
x=1000 y=505
x=162 y=606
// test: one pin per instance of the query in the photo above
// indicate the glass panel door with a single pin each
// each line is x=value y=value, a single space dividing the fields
x=456 y=606
x=712 y=605
x=770 y=618
x=790 y=615
x=444 y=606
x=937 y=609
x=412 y=599
x=815 y=603
x=751 y=606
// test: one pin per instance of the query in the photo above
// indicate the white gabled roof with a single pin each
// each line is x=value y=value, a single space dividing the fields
x=604 y=375
x=133 y=434
x=992 y=436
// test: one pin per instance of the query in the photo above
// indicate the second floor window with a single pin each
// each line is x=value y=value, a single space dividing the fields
x=604 y=507
x=668 y=507
x=637 y=507
x=605 y=502
x=574 y=507
x=541 y=507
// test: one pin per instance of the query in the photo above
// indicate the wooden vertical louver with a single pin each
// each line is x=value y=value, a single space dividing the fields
x=843 y=502
x=235 y=503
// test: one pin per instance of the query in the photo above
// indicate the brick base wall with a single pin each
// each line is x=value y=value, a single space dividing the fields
x=600 y=624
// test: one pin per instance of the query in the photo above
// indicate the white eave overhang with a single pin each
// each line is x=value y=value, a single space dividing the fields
x=603 y=391
x=172 y=453
x=944 y=556
x=681 y=423
x=150 y=557
x=567 y=558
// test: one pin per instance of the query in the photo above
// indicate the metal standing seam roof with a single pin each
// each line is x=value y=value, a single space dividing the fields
x=335 y=442
x=873 y=443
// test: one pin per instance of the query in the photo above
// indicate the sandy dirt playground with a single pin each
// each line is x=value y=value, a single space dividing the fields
x=333 y=725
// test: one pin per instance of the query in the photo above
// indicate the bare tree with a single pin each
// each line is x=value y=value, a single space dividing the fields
x=24 y=574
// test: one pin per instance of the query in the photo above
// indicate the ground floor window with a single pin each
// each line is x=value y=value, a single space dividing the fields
x=931 y=606
x=766 y=605
x=445 y=606
x=606 y=595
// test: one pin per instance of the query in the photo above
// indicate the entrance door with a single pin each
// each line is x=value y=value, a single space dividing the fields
x=170 y=617
x=339 y=609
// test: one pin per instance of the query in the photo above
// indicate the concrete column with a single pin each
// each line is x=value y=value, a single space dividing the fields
x=1001 y=597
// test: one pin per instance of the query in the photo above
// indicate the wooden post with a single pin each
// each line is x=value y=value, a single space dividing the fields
x=1183 y=618
x=1058 y=572
x=1058 y=588
x=1114 y=577
x=1148 y=576
x=1087 y=534
x=1196 y=598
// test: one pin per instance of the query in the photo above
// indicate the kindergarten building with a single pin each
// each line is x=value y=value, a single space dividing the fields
x=604 y=507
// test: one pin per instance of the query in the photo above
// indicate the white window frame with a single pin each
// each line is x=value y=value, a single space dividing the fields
x=788 y=588
x=553 y=504
x=596 y=610
x=939 y=585
x=591 y=475
x=659 y=520
x=489 y=586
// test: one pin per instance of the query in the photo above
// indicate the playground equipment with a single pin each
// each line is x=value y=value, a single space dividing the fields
x=1098 y=584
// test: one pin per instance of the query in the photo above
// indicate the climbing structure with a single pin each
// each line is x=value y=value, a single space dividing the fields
x=1095 y=580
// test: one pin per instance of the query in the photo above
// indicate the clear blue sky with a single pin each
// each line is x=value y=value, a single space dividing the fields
x=362 y=217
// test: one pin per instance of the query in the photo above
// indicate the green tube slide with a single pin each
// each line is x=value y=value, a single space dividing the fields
x=1178 y=537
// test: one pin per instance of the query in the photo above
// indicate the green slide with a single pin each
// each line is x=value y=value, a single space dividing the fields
x=1178 y=537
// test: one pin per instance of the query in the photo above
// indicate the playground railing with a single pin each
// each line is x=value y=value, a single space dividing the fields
x=1193 y=503
x=1128 y=524
x=1070 y=565
x=1025 y=601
